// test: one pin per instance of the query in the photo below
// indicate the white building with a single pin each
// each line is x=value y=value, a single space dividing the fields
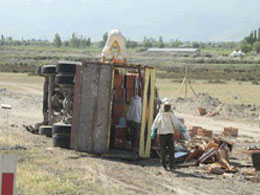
x=237 y=54
x=176 y=51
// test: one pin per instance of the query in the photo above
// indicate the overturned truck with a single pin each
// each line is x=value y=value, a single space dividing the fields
x=85 y=105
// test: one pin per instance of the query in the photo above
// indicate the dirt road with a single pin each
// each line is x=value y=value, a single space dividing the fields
x=46 y=170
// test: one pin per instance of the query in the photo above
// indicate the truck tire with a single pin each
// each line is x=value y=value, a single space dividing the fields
x=61 y=129
x=61 y=140
x=45 y=130
x=61 y=79
x=66 y=68
x=38 y=70
x=48 y=70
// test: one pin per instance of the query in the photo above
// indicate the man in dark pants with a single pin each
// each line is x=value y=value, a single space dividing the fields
x=166 y=122
x=167 y=142
x=134 y=116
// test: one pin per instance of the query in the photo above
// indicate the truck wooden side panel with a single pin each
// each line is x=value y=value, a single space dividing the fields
x=92 y=108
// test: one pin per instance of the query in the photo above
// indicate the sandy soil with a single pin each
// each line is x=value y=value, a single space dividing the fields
x=110 y=176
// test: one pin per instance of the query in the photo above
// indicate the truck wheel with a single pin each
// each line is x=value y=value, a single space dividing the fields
x=61 y=79
x=61 y=129
x=45 y=130
x=38 y=70
x=48 y=70
x=66 y=68
x=61 y=140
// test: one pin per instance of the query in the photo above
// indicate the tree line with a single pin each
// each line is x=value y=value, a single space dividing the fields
x=251 y=42
x=80 y=41
x=76 y=41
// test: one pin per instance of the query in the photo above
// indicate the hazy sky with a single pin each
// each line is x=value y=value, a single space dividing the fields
x=206 y=20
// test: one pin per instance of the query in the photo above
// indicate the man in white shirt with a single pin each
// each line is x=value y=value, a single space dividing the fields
x=165 y=123
x=134 y=117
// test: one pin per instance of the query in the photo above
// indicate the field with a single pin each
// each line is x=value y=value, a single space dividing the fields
x=43 y=169
x=229 y=91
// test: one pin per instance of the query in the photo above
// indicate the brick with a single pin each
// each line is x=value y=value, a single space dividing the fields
x=194 y=131
x=118 y=81
x=204 y=133
x=120 y=143
x=117 y=112
x=121 y=131
x=202 y=111
x=176 y=135
x=118 y=95
x=130 y=81
x=230 y=131
x=129 y=94
x=120 y=137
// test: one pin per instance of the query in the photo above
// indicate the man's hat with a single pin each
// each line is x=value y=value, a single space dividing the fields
x=166 y=101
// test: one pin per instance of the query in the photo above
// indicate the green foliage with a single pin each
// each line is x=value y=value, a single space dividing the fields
x=104 y=39
x=195 y=45
x=176 y=43
x=253 y=37
x=147 y=43
x=57 y=40
x=245 y=47
x=161 y=44
x=79 y=42
x=131 y=44
x=257 y=46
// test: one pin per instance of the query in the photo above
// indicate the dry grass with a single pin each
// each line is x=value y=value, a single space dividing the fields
x=20 y=78
x=245 y=92
x=42 y=169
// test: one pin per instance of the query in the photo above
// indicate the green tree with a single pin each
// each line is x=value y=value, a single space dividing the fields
x=258 y=34
x=161 y=43
x=257 y=46
x=104 y=39
x=255 y=36
x=176 y=43
x=2 y=41
x=74 y=41
x=131 y=44
x=147 y=43
x=195 y=45
x=88 y=43
x=244 y=46
x=9 y=41
x=57 y=40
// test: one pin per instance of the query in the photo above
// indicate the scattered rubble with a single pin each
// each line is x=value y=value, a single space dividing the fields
x=213 y=153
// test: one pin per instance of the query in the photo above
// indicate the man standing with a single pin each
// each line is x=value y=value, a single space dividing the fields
x=134 y=116
x=165 y=123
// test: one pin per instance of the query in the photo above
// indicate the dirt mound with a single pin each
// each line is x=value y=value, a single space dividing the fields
x=226 y=111
x=191 y=105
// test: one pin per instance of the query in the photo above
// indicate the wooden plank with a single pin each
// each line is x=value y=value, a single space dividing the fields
x=103 y=116
x=76 y=109
x=110 y=109
x=186 y=81
x=150 y=119
x=50 y=93
x=86 y=108
x=143 y=124
x=94 y=109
